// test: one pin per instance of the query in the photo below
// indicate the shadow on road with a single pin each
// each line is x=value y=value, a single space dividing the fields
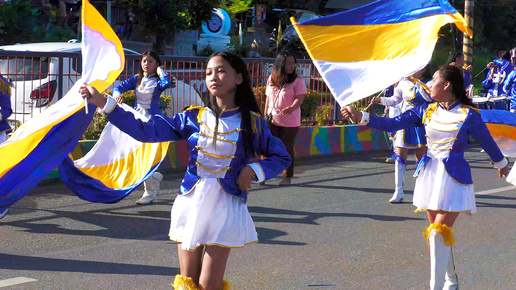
x=17 y=262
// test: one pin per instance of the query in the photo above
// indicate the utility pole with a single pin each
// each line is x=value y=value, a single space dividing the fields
x=467 y=46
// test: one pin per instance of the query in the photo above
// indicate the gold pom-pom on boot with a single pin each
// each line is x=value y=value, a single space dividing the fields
x=225 y=285
x=184 y=283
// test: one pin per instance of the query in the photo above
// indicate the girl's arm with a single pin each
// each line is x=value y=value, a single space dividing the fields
x=479 y=132
x=276 y=157
x=127 y=85
x=392 y=101
x=156 y=129
x=300 y=89
x=409 y=118
x=164 y=82
x=507 y=85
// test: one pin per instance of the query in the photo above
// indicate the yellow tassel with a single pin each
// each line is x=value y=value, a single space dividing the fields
x=184 y=283
x=444 y=230
x=225 y=285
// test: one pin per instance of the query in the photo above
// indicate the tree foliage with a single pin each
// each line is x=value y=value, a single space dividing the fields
x=236 y=6
x=20 y=21
x=162 y=18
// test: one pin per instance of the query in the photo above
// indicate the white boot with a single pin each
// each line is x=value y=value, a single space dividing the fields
x=399 y=178
x=151 y=185
x=439 y=256
x=452 y=280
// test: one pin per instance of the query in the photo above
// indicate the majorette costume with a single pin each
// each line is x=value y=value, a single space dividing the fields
x=509 y=88
x=444 y=177
x=500 y=72
x=148 y=103
x=410 y=92
x=5 y=108
x=212 y=168
x=210 y=208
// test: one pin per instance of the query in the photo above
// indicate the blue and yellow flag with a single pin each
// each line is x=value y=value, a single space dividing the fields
x=117 y=164
x=364 y=50
x=40 y=144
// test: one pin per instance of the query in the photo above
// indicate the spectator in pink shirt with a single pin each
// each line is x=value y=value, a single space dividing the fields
x=285 y=94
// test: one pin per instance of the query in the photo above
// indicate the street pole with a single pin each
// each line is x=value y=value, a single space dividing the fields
x=467 y=46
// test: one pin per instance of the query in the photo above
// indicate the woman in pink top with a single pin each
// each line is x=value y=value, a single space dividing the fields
x=285 y=93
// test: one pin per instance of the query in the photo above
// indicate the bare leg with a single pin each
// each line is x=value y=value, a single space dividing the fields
x=190 y=262
x=419 y=152
x=213 y=267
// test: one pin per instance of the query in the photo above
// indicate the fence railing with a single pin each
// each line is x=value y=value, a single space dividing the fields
x=42 y=78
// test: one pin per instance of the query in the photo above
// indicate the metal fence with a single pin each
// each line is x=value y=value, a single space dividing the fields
x=41 y=79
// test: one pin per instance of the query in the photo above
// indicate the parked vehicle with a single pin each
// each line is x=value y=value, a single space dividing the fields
x=42 y=73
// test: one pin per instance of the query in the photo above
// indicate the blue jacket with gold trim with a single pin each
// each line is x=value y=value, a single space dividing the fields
x=221 y=155
x=152 y=86
x=447 y=132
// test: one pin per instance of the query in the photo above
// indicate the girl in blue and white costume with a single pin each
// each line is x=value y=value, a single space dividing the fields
x=210 y=215
x=444 y=187
x=409 y=93
x=148 y=84
x=509 y=88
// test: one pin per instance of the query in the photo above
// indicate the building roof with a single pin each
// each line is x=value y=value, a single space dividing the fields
x=347 y=4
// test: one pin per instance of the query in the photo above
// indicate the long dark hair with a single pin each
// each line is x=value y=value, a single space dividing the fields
x=154 y=55
x=453 y=75
x=279 y=76
x=244 y=100
x=453 y=56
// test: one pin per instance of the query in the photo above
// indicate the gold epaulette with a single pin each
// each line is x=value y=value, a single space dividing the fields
x=192 y=108
x=473 y=108
x=5 y=87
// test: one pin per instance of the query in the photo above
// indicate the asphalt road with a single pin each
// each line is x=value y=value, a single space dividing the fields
x=332 y=229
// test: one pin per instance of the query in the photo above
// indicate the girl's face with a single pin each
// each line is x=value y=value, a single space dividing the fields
x=149 y=65
x=439 y=91
x=290 y=64
x=221 y=78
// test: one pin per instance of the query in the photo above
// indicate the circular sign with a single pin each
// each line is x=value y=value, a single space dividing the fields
x=219 y=24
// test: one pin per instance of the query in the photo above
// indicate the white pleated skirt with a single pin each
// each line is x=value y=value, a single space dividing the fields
x=210 y=216
x=436 y=190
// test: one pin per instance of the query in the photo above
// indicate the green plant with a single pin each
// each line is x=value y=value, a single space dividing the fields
x=259 y=95
x=207 y=51
x=310 y=104
x=99 y=122
x=323 y=114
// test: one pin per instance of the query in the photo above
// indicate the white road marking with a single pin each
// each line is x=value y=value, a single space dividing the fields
x=501 y=189
x=16 y=281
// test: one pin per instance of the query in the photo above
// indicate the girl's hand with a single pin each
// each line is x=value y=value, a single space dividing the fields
x=287 y=111
x=350 y=112
x=119 y=99
x=245 y=178
x=93 y=96
x=503 y=172
x=376 y=101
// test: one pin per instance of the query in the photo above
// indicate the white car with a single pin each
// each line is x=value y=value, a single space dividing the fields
x=36 y=78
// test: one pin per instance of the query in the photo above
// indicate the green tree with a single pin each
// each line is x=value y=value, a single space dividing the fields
x=236 y=6
x=162 y=18
x=20 y=21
